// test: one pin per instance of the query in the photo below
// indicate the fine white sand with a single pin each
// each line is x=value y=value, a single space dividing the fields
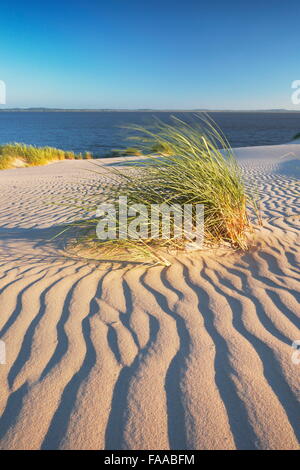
x=197 y=355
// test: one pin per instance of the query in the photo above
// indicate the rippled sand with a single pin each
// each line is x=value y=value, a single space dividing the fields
x=192 y=356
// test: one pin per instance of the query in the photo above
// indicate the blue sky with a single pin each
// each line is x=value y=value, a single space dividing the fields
x=156 y=54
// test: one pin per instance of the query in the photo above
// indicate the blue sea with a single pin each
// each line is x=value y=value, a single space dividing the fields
x=100 y=132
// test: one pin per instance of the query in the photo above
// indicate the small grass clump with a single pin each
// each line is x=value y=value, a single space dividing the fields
x=6 y=162
x=30 y=155
x=69 y=155
x=296 y=136
x=200 y=168
x=129 y=151
x=132 y=151
x=88 y=156
x=162 y=148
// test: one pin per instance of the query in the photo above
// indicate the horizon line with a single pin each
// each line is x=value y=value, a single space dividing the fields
x=57 y=109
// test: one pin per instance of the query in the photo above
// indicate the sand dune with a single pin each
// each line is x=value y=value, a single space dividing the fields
x=111 y=356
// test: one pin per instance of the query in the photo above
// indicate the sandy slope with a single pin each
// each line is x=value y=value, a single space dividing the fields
x=193 y=356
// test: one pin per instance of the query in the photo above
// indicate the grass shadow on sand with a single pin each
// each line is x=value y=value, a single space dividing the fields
x=28 y=245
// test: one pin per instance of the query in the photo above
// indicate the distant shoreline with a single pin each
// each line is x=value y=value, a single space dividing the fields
x=70 y=110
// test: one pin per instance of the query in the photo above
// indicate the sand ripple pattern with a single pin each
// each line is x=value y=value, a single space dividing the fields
x=193 y=356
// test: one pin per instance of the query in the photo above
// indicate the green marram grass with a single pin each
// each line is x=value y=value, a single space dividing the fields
x=129 y=151
x=198 y=168
x=162 y=148
x=296 y=136
x=33 y=156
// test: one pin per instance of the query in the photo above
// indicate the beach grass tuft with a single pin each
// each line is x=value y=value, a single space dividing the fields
x=128 y=152
x=31 y=155
x=199 y=168
x=296 y=136
x=162 y=148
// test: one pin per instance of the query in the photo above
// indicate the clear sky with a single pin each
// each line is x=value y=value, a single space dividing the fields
x=150 y=54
